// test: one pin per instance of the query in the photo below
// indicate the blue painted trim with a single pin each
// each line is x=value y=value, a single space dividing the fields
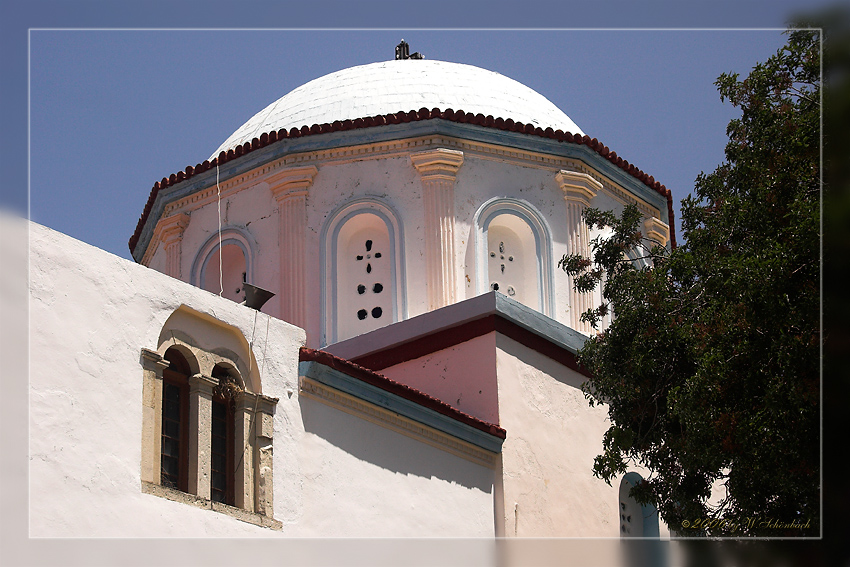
x=392 y=402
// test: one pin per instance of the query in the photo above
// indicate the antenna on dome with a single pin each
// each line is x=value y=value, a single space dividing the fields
x=402 y=51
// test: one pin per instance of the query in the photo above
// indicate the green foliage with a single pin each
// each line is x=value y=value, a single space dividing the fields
x=710 y=369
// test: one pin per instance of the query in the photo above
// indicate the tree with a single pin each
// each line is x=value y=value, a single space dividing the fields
x=710 y=368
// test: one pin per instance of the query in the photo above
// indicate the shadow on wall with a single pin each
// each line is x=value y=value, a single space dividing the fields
x=543 y=363
x=391 y=450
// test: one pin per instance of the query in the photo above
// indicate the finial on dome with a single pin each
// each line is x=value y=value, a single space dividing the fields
x=402 y=51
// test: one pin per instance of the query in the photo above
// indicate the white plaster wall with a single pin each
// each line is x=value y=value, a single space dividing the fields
x=358 y=479
x=547 y=459
x=91 y=313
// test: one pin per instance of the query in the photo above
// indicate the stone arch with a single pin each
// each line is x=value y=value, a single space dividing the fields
x=513 y=243
x=205 y=342
x=227 y=366
x=237 y=261
x=363 y=270
x=181 y=346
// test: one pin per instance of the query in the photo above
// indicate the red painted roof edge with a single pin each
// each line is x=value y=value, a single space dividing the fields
x=406 y=392
x=398 y=118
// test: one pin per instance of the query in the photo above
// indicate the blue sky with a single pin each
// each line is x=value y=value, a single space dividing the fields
x=113 y=110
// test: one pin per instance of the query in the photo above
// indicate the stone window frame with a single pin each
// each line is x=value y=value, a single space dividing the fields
x=497 y=206
x=253 y=433
x=229 y=235
x=329 y=239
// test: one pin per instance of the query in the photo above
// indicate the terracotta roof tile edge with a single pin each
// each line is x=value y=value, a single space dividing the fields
x=397 y=388
x=397 y=118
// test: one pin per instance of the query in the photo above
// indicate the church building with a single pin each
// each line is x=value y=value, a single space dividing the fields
x=411 y=370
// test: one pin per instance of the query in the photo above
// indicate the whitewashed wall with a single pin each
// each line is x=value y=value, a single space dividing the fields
x=553 y=436
x=91 y=313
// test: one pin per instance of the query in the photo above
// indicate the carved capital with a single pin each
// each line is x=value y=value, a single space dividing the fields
x=437 y=164
x=170 y=229
x=203 y=385
x=153 y=361
x=292 y=181
x=656 y=230
x=577 y=186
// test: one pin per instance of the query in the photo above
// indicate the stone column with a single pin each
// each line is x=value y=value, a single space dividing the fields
x=153 y=364
x=289 y=188
x=171 y=234
x=438 y=169
x=579 y=189
x=200 y=434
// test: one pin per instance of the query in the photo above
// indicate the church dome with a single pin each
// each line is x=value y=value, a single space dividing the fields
x=400 y=86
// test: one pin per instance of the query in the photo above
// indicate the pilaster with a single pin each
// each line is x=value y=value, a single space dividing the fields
x=170 y=231
x=579 y=189
x=243 y=453
x=152 y=364
x=289 y=188
x=264 y=439
x=438 y=169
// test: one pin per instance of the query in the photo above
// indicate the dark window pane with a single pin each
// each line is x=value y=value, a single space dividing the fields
x=171 y=429
x=170 y=447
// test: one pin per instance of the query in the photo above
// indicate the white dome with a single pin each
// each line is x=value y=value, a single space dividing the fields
x=402 y=86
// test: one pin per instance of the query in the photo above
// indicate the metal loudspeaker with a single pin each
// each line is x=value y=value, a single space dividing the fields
x=255 y=296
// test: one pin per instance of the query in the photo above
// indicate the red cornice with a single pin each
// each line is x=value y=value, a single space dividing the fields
x=406 y=392
x=399 y=118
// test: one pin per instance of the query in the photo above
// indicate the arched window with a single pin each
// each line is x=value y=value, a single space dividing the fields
x=207 y=429
x=513 y=248
x=636 y=520
x=363 y=289
x=235 y=262
x=174 y=471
